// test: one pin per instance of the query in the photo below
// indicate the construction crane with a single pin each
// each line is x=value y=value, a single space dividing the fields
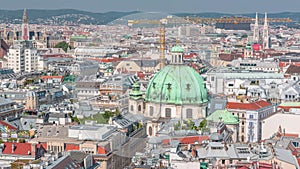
x=235 y=20
x=170 y=20
x=162 y=34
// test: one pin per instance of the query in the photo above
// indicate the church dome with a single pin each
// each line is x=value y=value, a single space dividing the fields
x=177 y=84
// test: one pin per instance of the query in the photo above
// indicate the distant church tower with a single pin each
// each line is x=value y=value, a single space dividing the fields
x=266 y=33
x=25 y=28
x=256 y=30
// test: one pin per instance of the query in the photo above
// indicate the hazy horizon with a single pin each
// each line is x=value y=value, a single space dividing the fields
x=166 y=6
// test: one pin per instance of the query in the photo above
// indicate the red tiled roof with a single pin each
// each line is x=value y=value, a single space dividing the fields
x=293 y=69
x=283 y=64
x=187 y=139
x=291 y=135
x=20 y=148
x=51 y=77
x=106 y=60
x=248 y=106
x=244 y=167
x=287 y=108
x=10 y=127
x=72 y=146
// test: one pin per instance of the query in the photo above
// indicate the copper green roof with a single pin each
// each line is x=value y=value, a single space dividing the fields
x=177 y=49
x=249 y=45
x=79 y=37
x=135 y=92
x=177 y=84
x=226 y=116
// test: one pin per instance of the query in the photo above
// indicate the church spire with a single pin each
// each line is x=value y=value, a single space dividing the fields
x=266 y=32
x=25 y=17
x=256 y=30
x=25 y=30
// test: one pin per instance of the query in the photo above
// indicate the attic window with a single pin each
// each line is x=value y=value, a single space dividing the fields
x=154 y=84
x=169 y=86
x=188 y=86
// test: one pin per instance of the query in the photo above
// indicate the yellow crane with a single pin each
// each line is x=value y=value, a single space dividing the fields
x=162 y=35
x=193 y=20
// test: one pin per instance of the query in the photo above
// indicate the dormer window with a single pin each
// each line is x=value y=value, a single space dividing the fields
x=188 y=87
x=154 y=84
x=169 y=86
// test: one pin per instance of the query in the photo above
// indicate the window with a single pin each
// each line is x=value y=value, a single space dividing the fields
x=189 y=113
x=151 y=110
x=251 y=116
x=139 y=108
x=150 y=131
x=243 y=138
x=243 y=129
x=168 y=112
x=131 y=107
x=251 y=124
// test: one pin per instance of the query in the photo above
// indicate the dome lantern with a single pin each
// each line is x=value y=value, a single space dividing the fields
x=177 y=55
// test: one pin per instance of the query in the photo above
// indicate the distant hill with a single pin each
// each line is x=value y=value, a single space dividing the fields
x=75 y=17
x=295 y=16
x=61 y=16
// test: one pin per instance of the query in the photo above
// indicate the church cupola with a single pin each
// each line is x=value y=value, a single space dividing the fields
x=136 y=93
x=177 y=55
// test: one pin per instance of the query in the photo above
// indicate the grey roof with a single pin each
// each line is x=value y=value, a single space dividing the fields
x=216 y=136
x=78 y=156
x=134 y=117
x=217 y=103
x=4 y=101
x=52 y=131
x=146 y=63
x=285 y=155
x=155 y=140
x=122 y=122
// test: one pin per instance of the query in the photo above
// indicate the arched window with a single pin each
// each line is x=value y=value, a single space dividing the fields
x=168 y=112
x=131 y=107
x=189 y=113
x=139 y=108
x=151 y=110
x=150 y=131
x=243 y=138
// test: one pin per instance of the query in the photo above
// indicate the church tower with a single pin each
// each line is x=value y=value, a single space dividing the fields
x=266 y=33
x=256 y=30
x=136 y=100
x=25 y=28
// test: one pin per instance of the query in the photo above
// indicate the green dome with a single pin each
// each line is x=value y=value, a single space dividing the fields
x=177 y=49
x=177 y=84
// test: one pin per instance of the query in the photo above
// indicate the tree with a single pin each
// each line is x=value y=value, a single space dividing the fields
x=64 y=45
x=203 y=124
x=244 y=36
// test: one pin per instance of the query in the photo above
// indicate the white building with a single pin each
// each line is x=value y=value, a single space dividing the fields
x=251 y=116
x=22 y=57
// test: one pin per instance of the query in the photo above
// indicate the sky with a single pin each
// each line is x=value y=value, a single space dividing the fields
x=166 y=6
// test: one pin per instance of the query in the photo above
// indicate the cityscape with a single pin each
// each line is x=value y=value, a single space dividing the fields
x=134 y=89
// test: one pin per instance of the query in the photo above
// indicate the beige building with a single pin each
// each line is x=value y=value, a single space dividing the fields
x=287 y=121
